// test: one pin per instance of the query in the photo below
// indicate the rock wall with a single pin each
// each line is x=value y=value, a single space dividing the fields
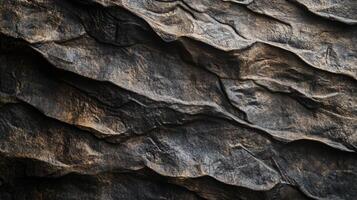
x=178 y=99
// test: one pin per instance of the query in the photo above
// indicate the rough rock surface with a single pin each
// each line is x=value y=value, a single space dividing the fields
x=178 y=99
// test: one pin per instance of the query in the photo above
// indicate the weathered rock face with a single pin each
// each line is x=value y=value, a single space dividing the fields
x=185 y=99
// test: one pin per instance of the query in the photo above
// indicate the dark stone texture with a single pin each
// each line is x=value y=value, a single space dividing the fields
x=165 y=99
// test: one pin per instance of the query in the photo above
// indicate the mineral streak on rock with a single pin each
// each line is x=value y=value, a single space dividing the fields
x=178 y=99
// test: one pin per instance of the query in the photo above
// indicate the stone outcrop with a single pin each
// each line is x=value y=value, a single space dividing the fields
x=178 y=99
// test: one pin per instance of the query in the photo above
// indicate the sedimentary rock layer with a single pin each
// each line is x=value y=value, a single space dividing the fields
x=165 y=99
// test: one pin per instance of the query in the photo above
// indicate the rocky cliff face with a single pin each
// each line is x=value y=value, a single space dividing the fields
x=178 y=99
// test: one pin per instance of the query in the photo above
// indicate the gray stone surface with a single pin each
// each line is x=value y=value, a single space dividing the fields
x=165 y=99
